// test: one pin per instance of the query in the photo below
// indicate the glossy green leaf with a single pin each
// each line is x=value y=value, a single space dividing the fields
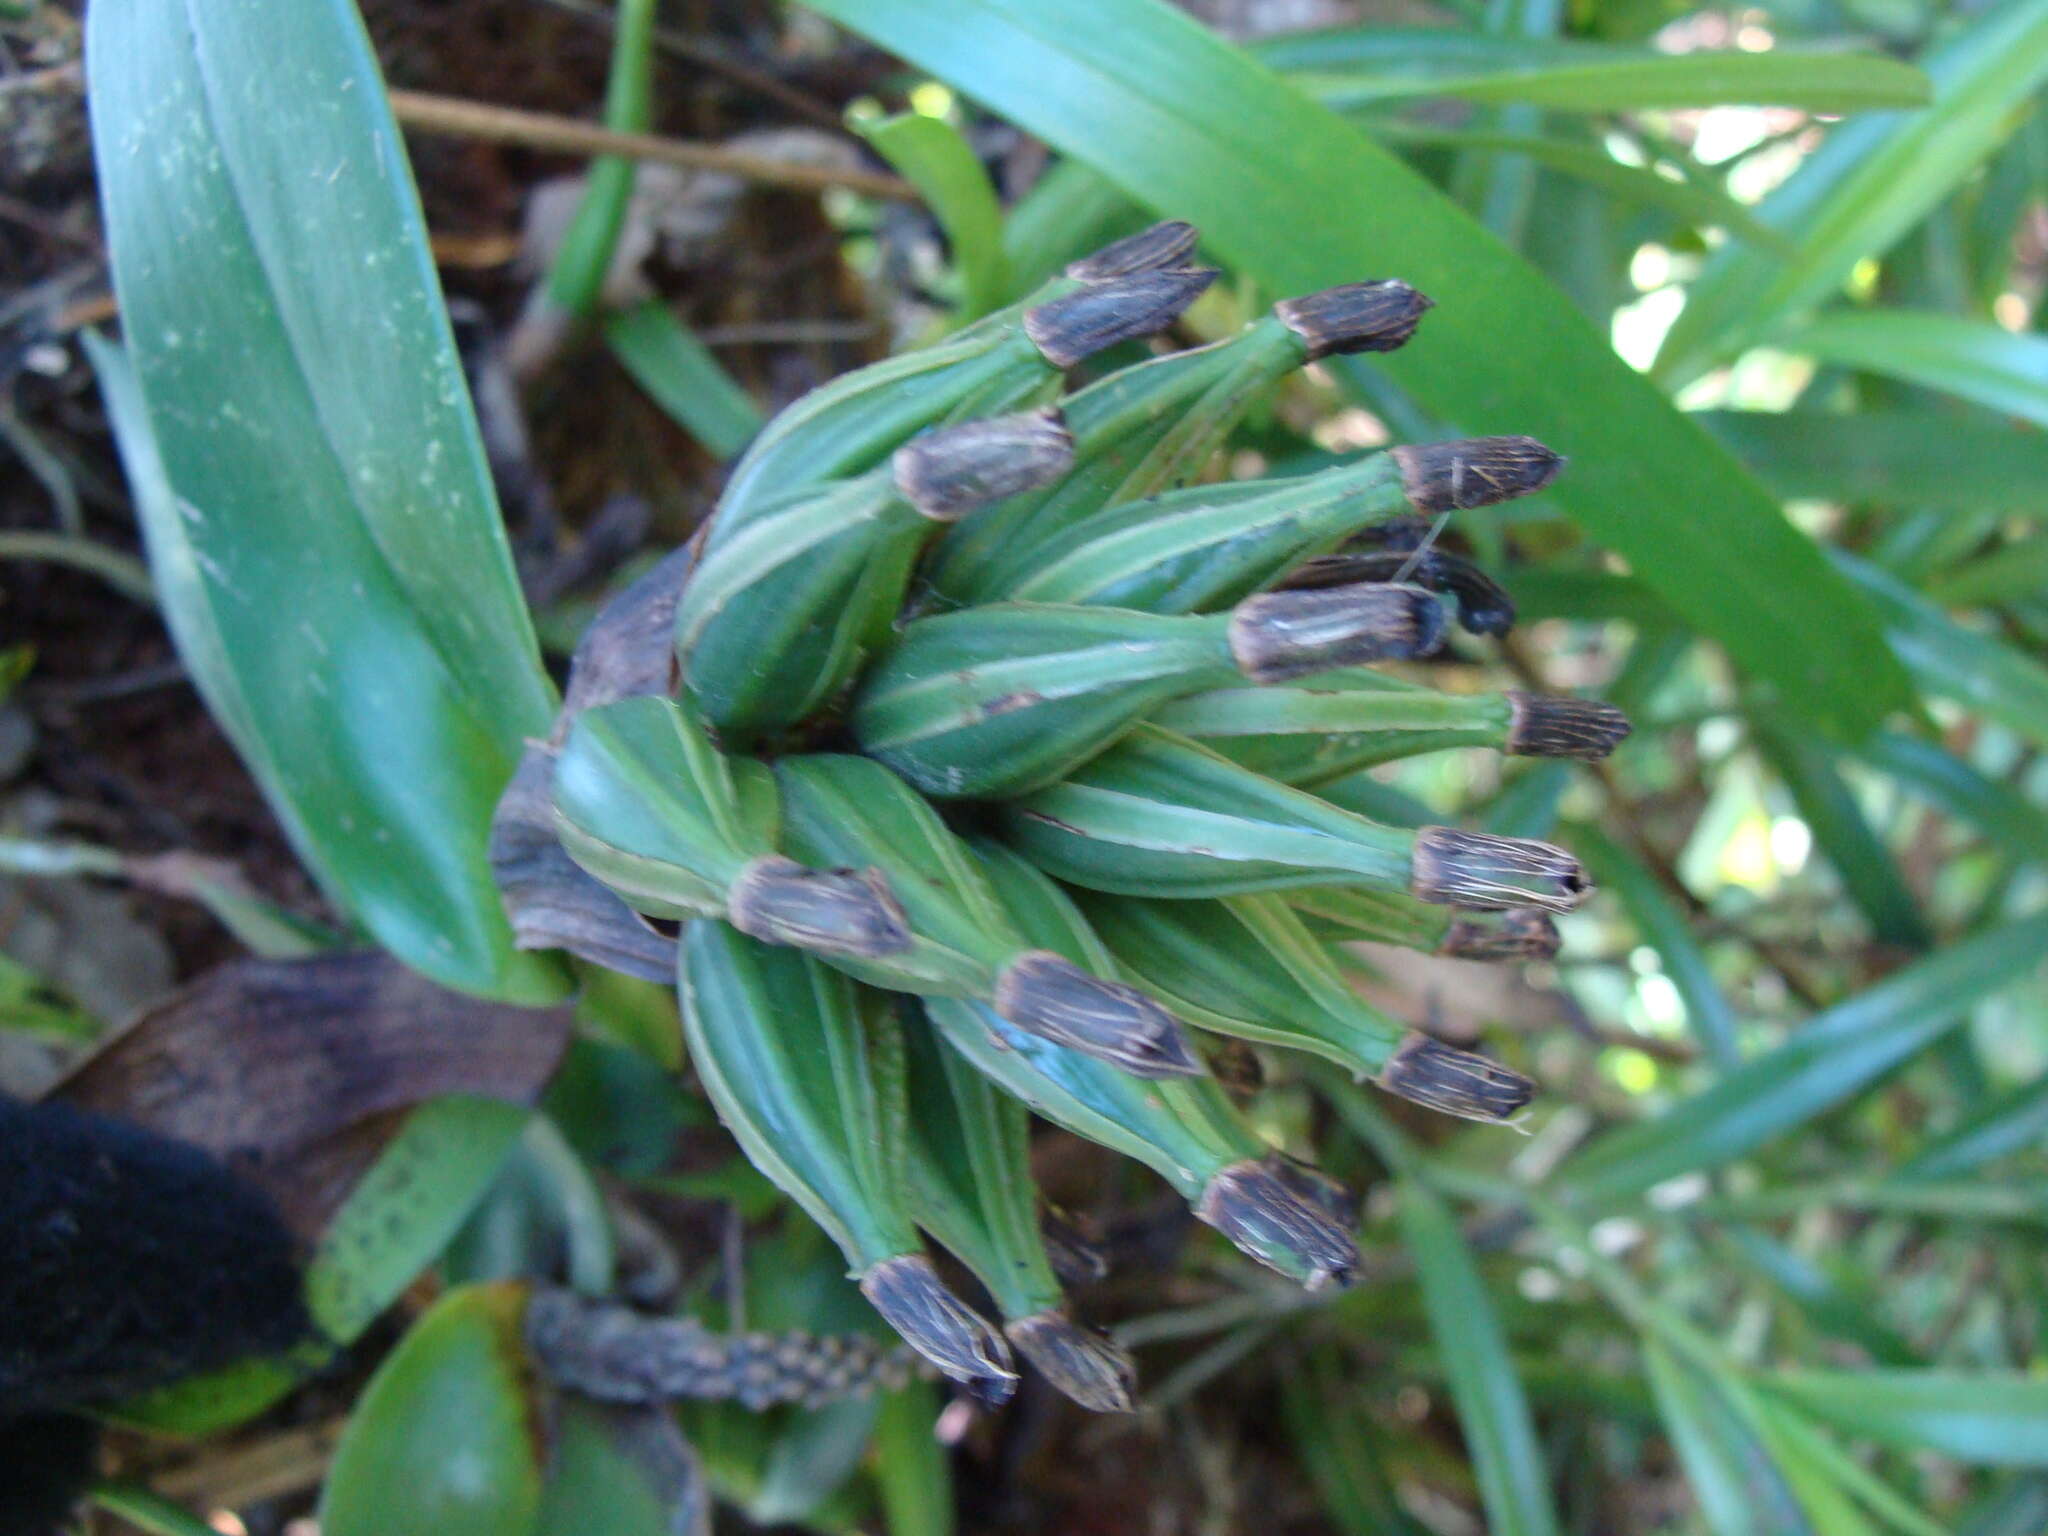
x=934 y=158
x=1193 y=128
x=406 y=1208
x=1570 y=76
x=309 y=476
x=1834 y=1055
x=1974 y=359
x=1662 y=926
x=682 y=377
x=444 y=1439
x=1873 y=180
x=1514 y=1485
x=1740 y=1490
x=1980 y=1418
x=1952 y=460
x=597 y=1486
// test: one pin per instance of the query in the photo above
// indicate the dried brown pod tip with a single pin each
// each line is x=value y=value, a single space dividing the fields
x=1050 y=996
x=1166 y=244
x=948 y=473
x=1076 y=1258
x=1081 y=1363
x=1490 y=874
x=826 y=911
x=1333 y=1197
x=1261 y=1212
x=1375 y=316
x=1520 y=933
x=1484 y=606
x=1065 y=330
x=1280 y=635
x=940 y=1326
x=1474 y=471
x=1546 y=725
x=1425 y=1071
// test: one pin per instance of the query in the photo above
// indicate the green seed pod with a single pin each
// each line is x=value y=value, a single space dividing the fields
x=1209 y=546
x=963 y=940
x=789 y=1057
x=1394 y=917
x=646 y=804
x=1157 y=815
x=1347 y=720
x=1008 y=361
x=1001 y=699
x=1185 y=1130
x=776 y=619
x=970 y=1187
x=1248 y=966
x=1154 y=425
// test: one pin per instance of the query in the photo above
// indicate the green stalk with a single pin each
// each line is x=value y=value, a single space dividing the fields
x=576 y=280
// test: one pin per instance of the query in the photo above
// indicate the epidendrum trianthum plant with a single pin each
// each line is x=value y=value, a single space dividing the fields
x=971 y=747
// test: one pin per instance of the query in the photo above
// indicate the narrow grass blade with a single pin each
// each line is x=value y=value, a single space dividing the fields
x=1977 y=1417
x=1973 y=359
x=682 y=377
x=946 y=172
x=1872 y=180
x=2013 y=823
x=1663 y=927
x=1740 y=1490
x=1514 y=1484
x=1580 y=80
x=1962 y=461
x=1833 y=1056
x=2013 y=1122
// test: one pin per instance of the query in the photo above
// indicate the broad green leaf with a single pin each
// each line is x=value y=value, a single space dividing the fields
x=406 y=1208
x=2013 y=1122
x=948 y=175
x=1834 y=1055
x=682 y=377
x=1873 y=180
x=1740 y=1490
x=1282 y=187
x=1978 y=1418
x=309 y=476
x=1663 y=927
x=596 y=1486
x=1961 y=461
x=444 y=1441
x=1971 y=358
x=1499 y=1434
x=1567 y=76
